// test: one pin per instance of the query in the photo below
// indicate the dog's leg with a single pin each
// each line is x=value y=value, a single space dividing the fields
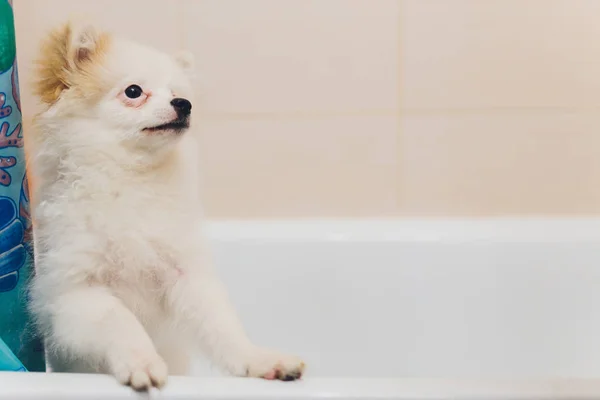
x=92 y=325
x=201 y=302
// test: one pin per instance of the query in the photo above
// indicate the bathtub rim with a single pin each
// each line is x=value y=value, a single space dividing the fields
x=408 y=229
x=19 y=385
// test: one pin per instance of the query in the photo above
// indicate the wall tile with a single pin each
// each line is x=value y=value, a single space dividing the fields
x=289 y=56
x=500 y=53
x=495 y=164
x=329 y=167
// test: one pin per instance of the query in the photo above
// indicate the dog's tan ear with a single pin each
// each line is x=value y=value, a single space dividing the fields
x=84 y=41
x=185 y=59
x=67 y=52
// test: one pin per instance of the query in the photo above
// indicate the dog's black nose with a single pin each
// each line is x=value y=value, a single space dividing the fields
x=181 y=105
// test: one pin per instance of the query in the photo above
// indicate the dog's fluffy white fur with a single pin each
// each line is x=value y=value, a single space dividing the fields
x=123 y=283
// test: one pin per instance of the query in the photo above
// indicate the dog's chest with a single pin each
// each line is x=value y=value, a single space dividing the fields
x=144 y=231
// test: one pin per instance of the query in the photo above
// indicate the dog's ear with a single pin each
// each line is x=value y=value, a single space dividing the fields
x=185 y=59
x=68 y=52
x=84 y=42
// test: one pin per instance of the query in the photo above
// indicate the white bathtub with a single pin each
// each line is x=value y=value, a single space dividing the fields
x=399 y=309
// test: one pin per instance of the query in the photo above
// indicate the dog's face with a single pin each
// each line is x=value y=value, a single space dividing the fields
x=132 y=94
x=149 y=94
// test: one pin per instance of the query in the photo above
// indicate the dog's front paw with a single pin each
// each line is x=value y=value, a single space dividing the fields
x=140 y=370
x=268 y=364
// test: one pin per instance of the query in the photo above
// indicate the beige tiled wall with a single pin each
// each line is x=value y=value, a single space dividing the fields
x=377 y=107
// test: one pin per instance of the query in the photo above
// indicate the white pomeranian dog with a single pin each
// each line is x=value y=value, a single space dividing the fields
x=123 y=282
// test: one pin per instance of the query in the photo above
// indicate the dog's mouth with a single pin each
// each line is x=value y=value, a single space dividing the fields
x=177 y=126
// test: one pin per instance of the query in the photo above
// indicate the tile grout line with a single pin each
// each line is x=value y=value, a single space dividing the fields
x=419 y=111
x=399 y=112
x=312 y=114
x=182 y=25
x=399 y=172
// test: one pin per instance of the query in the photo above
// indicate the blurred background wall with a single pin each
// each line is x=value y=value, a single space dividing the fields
x=370 y=108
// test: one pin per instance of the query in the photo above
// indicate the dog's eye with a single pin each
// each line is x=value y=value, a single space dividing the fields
x=133 y=91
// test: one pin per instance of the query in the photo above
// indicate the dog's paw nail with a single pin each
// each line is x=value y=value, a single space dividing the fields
x=140 y=380
x=274 y=366
x=141 y=373
x=292 y=376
